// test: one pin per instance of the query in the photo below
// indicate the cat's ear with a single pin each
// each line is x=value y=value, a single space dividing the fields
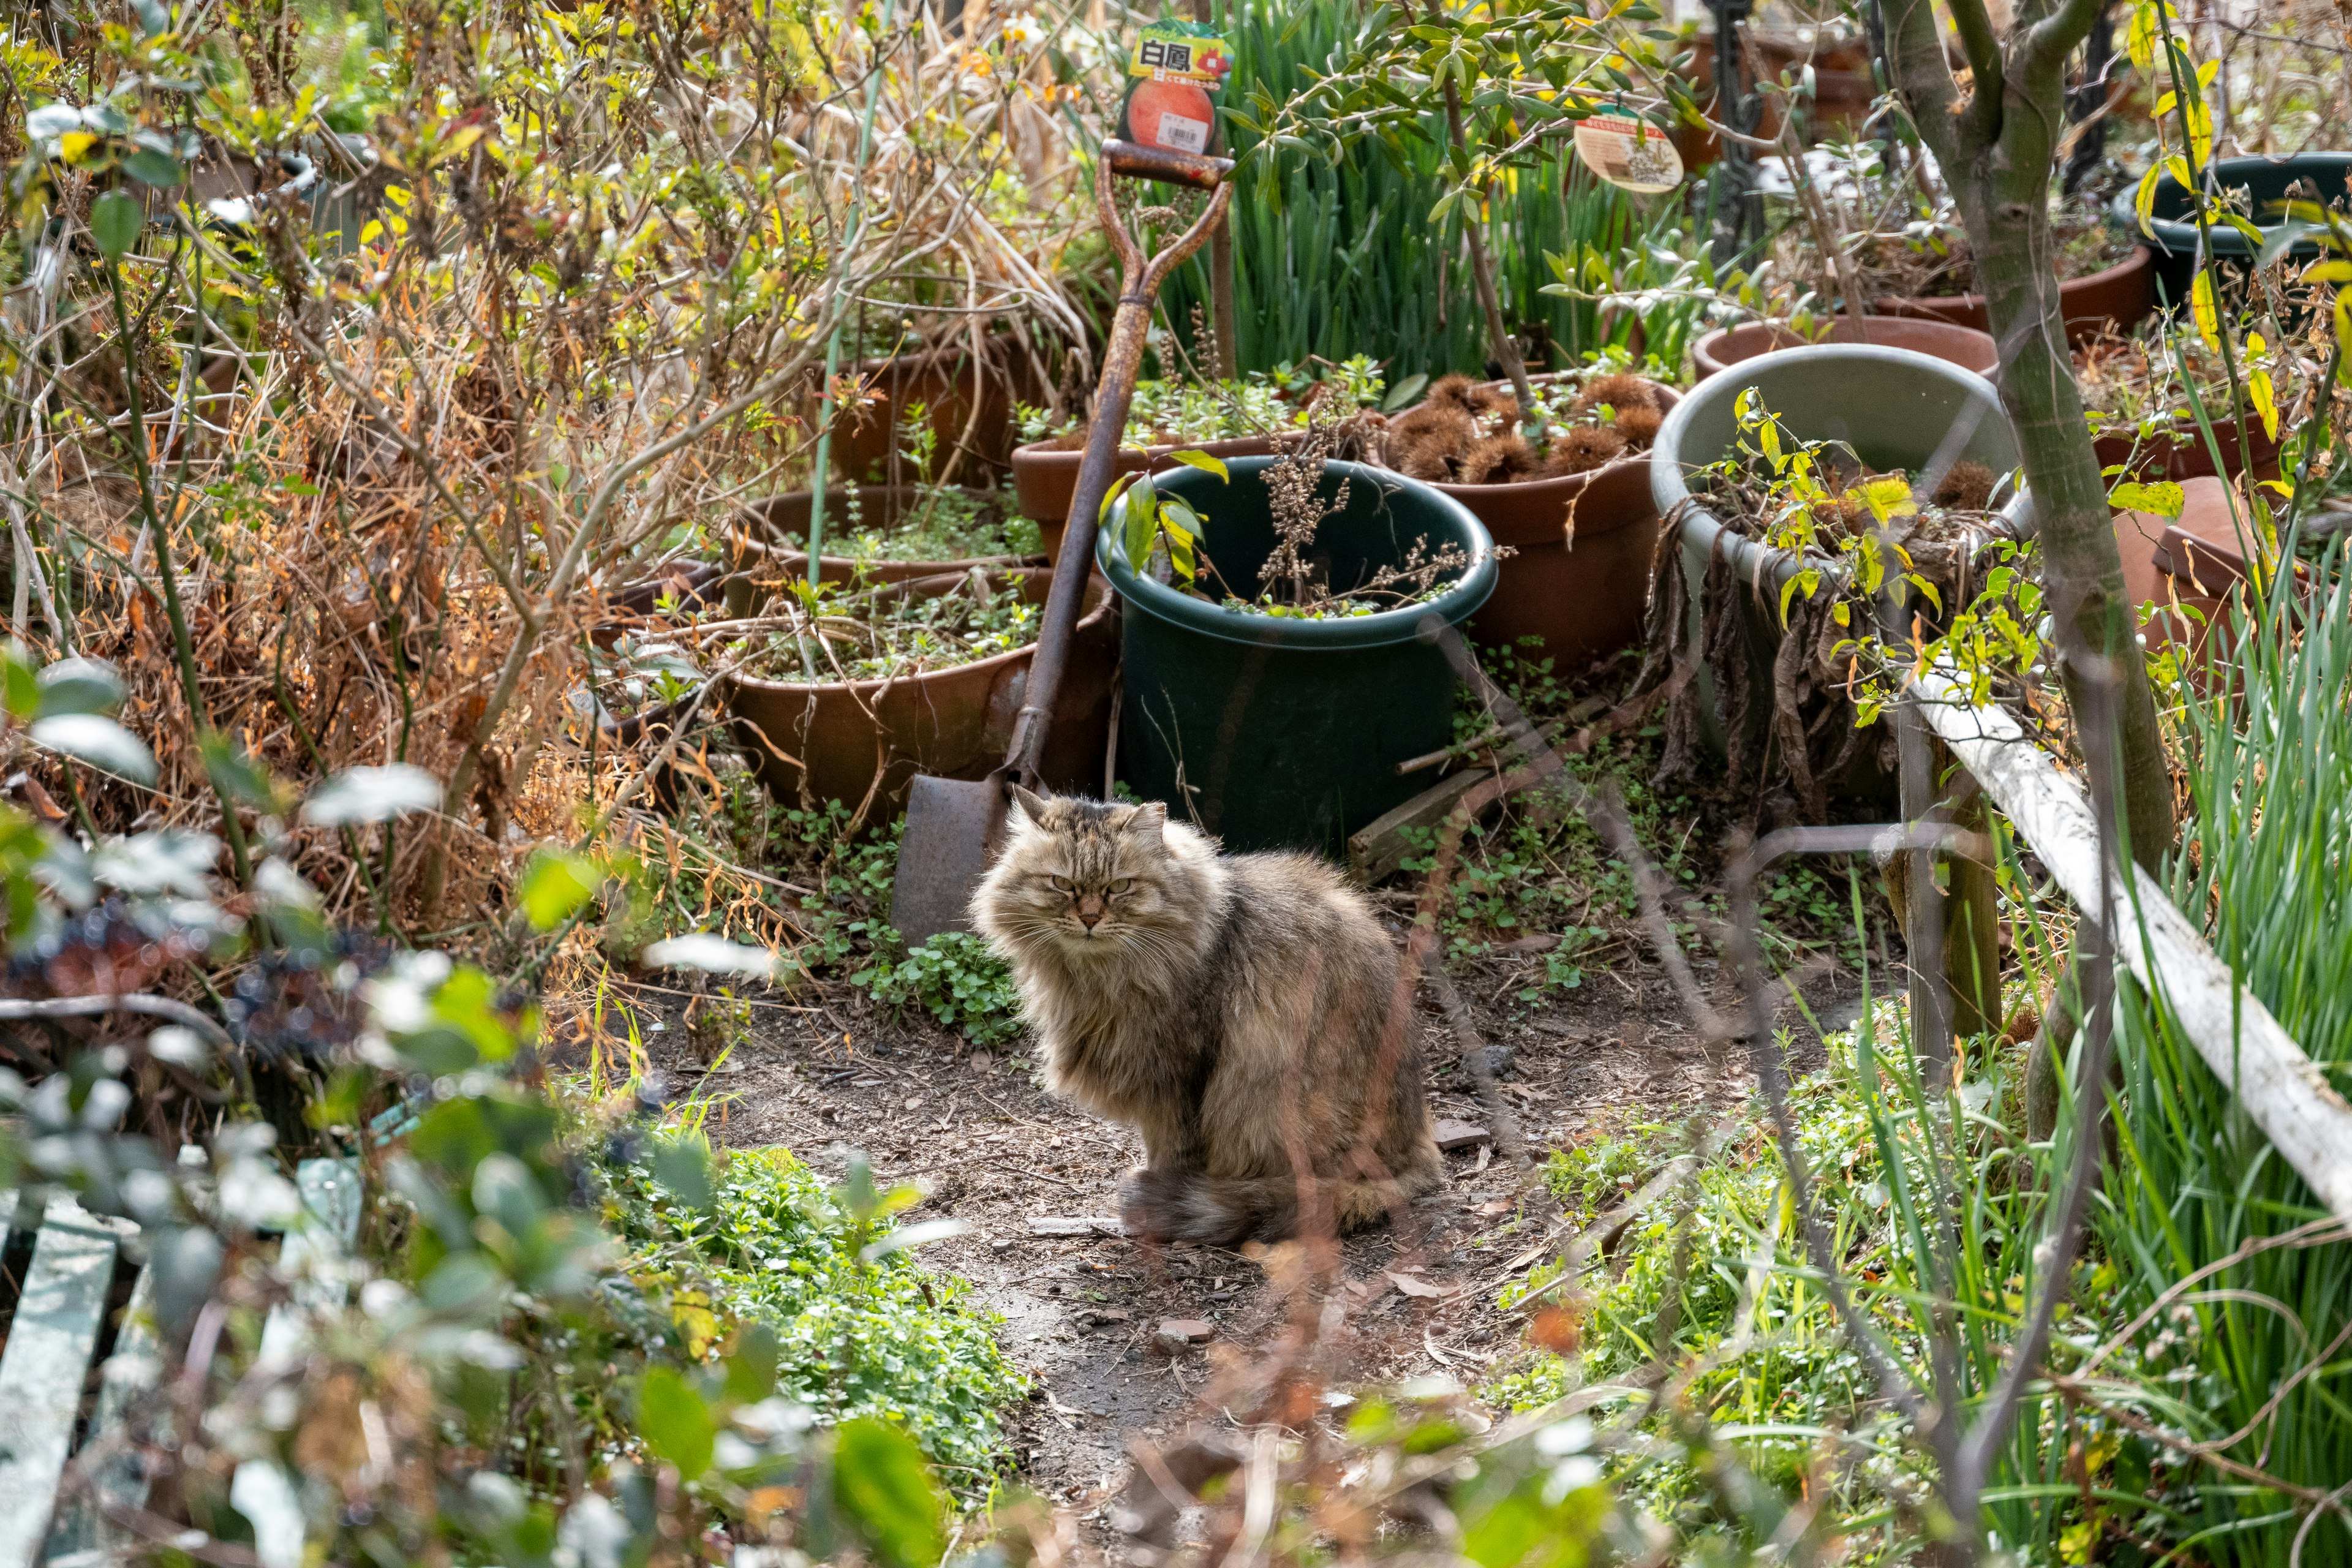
x=1032 y=805
x=1146 y=821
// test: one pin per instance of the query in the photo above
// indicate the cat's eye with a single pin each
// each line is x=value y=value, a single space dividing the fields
x=1063 y=884
x=1124 y=885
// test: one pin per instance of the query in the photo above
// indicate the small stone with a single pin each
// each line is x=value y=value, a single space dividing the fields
x=1452 y=1134
x=1542 y=942
x=1177 y=1335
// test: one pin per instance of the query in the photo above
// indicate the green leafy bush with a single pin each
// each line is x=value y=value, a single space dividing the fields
x=957 y=980
x=861 y=1329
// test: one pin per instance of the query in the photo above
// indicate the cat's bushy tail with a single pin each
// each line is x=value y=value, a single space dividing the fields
x=1184 y=1205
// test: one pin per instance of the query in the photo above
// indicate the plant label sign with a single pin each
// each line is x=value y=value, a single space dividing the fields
x=1631 y=153
x=1174 y=69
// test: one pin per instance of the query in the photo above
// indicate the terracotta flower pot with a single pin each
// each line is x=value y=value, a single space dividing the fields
x=951 y=383
x=1045 y=474
x=689 y=586
x=2185 y=456
x=1844 y=87
x=1969 y=348
x=1579 y=574
x=780 y=524
x=853 y=741
x=2112 y=299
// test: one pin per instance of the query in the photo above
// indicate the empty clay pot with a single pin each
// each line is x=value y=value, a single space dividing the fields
x=966 y=402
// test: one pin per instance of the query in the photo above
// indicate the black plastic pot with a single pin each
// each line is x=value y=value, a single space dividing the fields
x=1895 y=408
x=2264 y=181
x=1271 y=733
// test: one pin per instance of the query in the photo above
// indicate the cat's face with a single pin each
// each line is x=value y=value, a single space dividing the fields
x=1085 y=875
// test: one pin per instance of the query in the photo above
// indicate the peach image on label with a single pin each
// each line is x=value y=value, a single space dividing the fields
x=1173 y=114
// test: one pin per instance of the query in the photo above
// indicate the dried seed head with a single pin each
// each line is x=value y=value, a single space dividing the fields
x=1966 y=487
x=1619 y=390
x=1499 y=460
x=1456 y=391
x=1639 y=424
x=1581 y=449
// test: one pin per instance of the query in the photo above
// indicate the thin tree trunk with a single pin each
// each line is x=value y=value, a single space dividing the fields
x=1998 y=150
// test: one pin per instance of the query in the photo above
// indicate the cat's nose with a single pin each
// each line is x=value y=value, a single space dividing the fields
x=1090 y=913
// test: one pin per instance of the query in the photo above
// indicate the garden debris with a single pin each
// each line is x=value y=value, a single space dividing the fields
x=1452 y=1134
x=1383 y=847
x=1087 y=1225
x=1406 y=1285
x=1177 y=1335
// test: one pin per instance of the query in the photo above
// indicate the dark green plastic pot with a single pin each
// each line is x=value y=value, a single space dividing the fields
x=1895 y=408
x=1278 y=733
x=2265 y=183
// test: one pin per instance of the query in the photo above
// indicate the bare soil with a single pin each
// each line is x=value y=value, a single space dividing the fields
x=1081 y=1313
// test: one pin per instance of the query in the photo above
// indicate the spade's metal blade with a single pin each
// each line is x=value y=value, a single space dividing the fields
x=949 y=824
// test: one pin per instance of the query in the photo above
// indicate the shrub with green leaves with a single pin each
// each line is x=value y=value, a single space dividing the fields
x=861 y=1329
x=957 y=980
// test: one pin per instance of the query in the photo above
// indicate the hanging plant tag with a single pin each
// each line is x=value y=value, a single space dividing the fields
x=1628 y=152
x=1174 y=69
x=1182 y=51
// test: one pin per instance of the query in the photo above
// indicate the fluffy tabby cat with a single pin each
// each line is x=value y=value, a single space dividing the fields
x=1234 y=1008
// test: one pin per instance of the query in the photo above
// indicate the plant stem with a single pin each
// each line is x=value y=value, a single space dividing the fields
x=181 y=643
x=1481 y=268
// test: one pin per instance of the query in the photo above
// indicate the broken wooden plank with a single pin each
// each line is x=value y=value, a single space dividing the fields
x=81 y=1533
x=51 y=1339
x=2285 y=1093
x=1376 y=850
x=315 y=1254
x=315 y=1260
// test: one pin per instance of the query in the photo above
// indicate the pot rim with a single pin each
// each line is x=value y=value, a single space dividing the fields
x=1749 y=559
x=755 y=523
x=2142 y=257
x=2174 y=237
x=784 y=557
x=1929 y=323
x=1097 y=593
x=1382 y=629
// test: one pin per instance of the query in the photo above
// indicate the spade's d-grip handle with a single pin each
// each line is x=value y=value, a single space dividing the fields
x=1122 y=362
x=1132 y=161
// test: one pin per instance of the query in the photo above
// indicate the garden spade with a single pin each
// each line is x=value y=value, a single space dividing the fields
x=953 y=826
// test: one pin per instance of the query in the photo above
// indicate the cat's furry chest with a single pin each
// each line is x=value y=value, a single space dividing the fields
x=1123 y=1051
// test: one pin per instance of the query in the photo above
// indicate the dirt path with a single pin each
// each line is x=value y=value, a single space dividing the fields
x=1082 y=1311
